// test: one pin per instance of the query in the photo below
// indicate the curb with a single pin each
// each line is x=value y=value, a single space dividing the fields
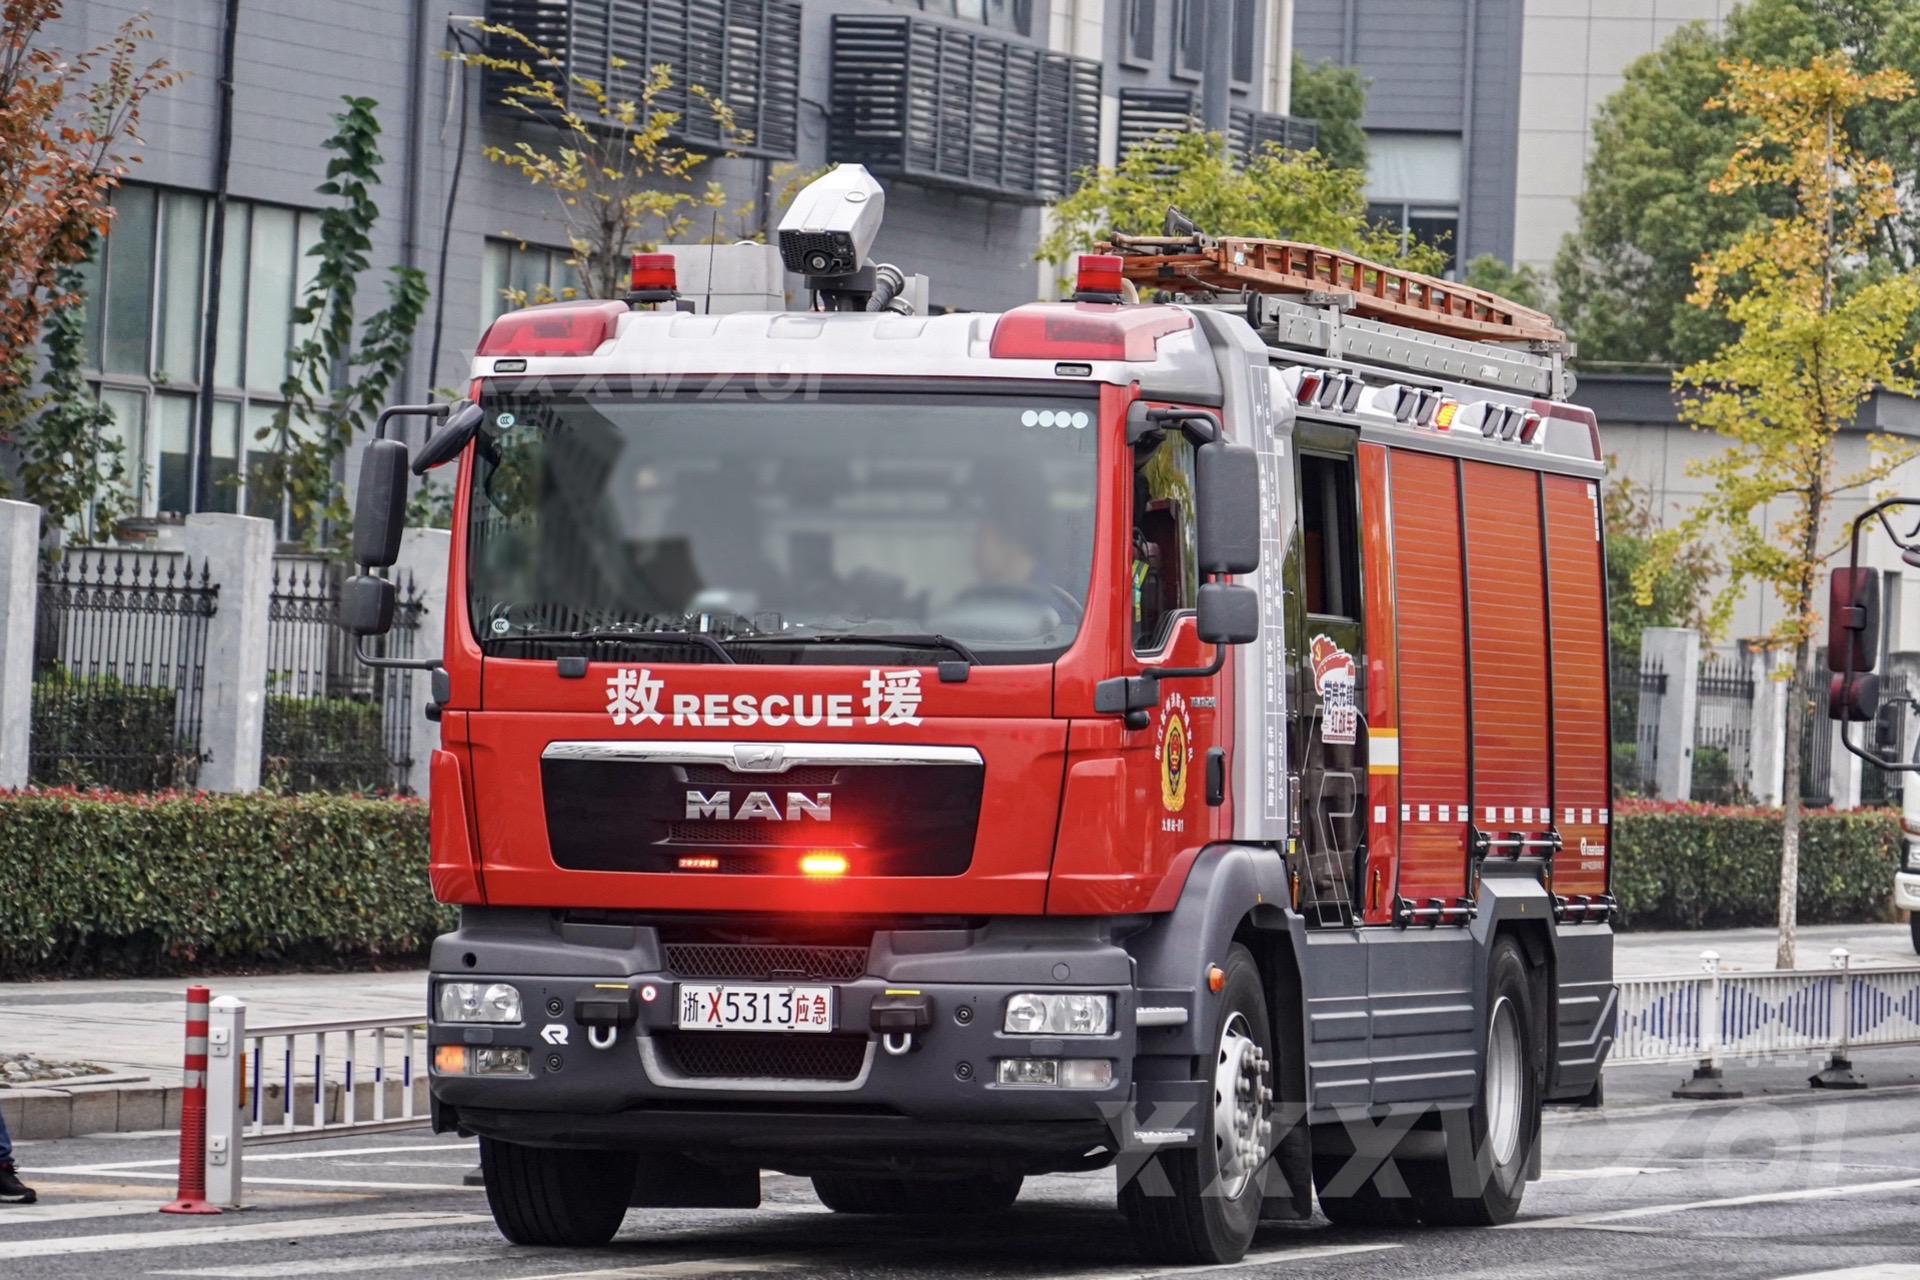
x=41 y=1113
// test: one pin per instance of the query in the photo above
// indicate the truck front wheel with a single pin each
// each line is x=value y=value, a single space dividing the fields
x=1201 y=1204
x=556 y=1197
x=884 y=1193
x=1489 y=1148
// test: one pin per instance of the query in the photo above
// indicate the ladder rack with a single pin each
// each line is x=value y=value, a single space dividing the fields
x=1332 y=277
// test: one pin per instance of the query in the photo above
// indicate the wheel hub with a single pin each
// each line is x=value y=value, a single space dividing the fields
x=1242 y=1106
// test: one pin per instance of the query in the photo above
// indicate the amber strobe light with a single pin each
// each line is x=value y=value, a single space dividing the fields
x=823 y=864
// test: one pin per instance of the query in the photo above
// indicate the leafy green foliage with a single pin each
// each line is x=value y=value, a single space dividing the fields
x=1678 y=587
x=119 y=883
x=323 y=744
x=71 y=463
x=1521 y=284
x=95 y=731
x=1335 y=98
x=1646 y=215
x=1280 y=195
x=1696 y=866
x=334 y=388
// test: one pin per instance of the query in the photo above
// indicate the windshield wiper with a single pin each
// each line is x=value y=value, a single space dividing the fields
x=617 y=635
x=875 y=639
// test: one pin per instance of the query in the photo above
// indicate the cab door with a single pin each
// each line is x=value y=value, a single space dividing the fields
x=1330 y=729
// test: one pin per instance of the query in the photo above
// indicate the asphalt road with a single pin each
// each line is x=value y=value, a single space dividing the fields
x=1786 y=1183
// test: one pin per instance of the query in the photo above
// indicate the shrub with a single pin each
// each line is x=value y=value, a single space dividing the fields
x=105 y=882
x=100 y=731
x=323 y=744
x=1695 y=866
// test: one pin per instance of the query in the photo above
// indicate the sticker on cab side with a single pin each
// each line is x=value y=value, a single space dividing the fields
x=1333 y=680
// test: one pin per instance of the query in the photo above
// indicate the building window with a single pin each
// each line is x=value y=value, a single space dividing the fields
x=1189 y=38
x=1413 y=186
x=146 y=296
x=1243 y=46
x=513 y=274
x=1136 y=39
x=1004 y=15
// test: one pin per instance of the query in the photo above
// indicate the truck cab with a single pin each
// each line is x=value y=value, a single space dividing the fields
x=920 y=752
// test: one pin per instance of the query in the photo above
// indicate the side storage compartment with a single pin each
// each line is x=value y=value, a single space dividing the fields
x=1577 y=591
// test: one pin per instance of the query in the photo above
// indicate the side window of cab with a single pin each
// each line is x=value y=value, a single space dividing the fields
x=1164 y=550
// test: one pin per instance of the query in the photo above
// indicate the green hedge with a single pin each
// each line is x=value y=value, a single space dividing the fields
x=1695 y=866
x=111 y=883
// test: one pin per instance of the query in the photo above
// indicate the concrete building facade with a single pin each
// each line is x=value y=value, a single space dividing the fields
x=975 y=114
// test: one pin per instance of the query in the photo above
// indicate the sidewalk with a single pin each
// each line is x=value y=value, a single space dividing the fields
x=133 y=1027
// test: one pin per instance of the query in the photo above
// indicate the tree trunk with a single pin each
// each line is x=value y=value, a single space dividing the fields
x=1789 y=908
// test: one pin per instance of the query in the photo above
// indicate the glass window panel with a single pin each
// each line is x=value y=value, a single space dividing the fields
x=258 y=451
x=1413 y=166
x=90 y=279
x=1243 y=24
x=231 y=349
x=270 y=297
x=129 y=427
x=223 y=468
x=306 y=267
x=129 y=306
x=182 y=274
x=175 y=418
x=527 y=271
x=1139 y=34
x=494 y=267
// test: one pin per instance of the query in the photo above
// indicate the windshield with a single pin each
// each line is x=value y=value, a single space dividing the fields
x=966 y=518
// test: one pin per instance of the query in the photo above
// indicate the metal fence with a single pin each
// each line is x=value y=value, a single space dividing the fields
x=1891 y=731
x=120 y=649
x=1712 y=1016
x=1816 y=745
x=333 y=724
x=1723 y=730
x=1639 y=685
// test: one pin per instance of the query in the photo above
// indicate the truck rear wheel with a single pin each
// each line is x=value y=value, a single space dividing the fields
x=1201 y=1204
x=554 y=1196
x=885 y=1193
x=1489 y=1148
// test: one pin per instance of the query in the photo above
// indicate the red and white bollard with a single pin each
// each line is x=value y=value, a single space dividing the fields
x=192 y=1195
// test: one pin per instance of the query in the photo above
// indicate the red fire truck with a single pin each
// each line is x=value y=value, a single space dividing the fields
x=919 y=752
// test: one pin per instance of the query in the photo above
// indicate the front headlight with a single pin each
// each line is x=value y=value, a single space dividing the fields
x=479 y=1002
x=1064 y=1014
x=1913 y=857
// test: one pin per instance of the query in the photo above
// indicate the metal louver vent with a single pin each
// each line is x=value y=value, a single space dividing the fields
x=744 y=54
x=948 y=107
x=1145 y=114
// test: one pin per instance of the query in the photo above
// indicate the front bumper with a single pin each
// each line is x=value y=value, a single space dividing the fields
x=937 y=1101
x=1906 y=890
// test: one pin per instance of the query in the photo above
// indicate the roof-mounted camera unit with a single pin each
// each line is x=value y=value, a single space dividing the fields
x=827 y=233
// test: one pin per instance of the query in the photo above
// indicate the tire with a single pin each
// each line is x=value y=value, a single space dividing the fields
x=556 y=1197
x=884 y=1193
x=1490 y=1147
x=1366 y=1207
x=1201 y=1204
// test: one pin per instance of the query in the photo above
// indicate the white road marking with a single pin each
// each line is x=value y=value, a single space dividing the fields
x=16 y=1214
x=170 y=1162
x=342 y=1266
x=1271 y=1258
x=154 y=1176
x=186 y=1237
x=402 y=1164
x=1767 y=1197
x=1876 y=1271
x=1604 y=1171
x=693 y=1268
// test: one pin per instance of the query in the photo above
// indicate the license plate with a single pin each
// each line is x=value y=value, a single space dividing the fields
x=753 y=1006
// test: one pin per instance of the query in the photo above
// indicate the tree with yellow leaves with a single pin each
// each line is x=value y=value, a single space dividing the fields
x=620 y=180
x=1816 y=337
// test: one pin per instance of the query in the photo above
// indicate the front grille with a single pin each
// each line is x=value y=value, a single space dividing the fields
x=755 y=1055
x=765 y=960
x=755 y=835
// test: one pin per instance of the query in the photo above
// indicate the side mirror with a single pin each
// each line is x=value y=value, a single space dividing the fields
x=444 y=445
x=1229 y=614
x=1226 y=486
x=380 y=509
x=1853 y=620
x=1856 y=700
x=366 y=605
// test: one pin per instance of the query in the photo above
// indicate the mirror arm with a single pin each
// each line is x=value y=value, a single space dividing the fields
x=391 y=664
x=1193 y=673
x=440 y=410
x=1202 y=426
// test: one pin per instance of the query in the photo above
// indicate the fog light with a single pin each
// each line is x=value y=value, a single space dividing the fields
x=1041 y=1072
x=1059 y=1014
x=450 y=1060
x=479 y=1002
x=1055 y=1073
x=499 y=1062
